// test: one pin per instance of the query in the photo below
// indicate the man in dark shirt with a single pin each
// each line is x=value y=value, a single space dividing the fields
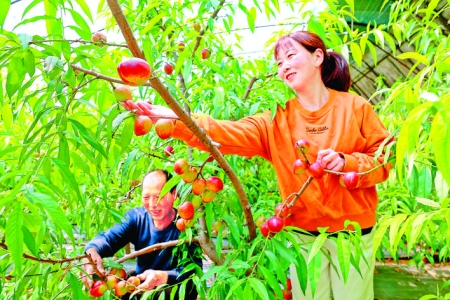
x=145 y=226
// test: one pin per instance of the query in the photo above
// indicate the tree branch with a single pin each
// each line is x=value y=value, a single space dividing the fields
x=186 y=119
x=50 y=261
x=153 y=248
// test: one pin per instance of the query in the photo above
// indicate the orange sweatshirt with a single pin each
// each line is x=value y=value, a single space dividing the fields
x=346 y=123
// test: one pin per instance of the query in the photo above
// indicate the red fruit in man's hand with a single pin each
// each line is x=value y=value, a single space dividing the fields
x=180 y=166
x=208 y=196
x=164 y=128
x=350 y=179
x=142 y=125
x=264 y=229
x=316 y=170
x=181 y=224
x=134 y=71
x=186 y=210
x=120 y=273
x=302 y=147
x=275 y=224
x=282 y=211
x=214 y=184
x=198 y=186
x=111 y=281
x=299 y=167
x=206 y=53
x=122 y=93
x=98 y=37
x=121 y=288
x=168 y=151
x=168 y=69
x=98 y=289
x=132 y=283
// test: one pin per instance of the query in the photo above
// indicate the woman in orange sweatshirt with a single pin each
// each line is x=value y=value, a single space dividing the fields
x=344 y=133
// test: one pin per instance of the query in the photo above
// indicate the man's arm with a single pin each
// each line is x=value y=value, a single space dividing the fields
x=107 y=243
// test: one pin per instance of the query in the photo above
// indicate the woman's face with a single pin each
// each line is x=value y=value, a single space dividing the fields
x=297 y=67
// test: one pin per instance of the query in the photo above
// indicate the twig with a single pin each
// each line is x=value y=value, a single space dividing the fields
x=50 y=261
x=94 y=266
x=156 y=247
x=78 y=41
x=297 y=195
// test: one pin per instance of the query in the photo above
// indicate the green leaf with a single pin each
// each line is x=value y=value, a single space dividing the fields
x=317 y=27
x=7 y=116
x=25 y=39
x=314 y=269
x=285 y=252
x=14 y=236
x=87 y=137
x=79 y=20
x=151 y=24
x=29 y=241
x=356 y=54
x=414 y=55
x=343 y=249
x=16 y=75
x=440 y=139
x=54 y=210
x=119 y=119
x=76 y=287
x=395 y=223
x=275 y=264
x=251 y=17
x=85 y=9
x=271 y=280
x=259 y=287
x=68 y=175
x=315 y=247
x=5 y=5
x=29 y=63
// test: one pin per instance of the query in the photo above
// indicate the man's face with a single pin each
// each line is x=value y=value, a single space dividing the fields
x=151 y=188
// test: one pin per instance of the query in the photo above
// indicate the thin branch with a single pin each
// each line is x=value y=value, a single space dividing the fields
x=50 y=261
x=153 y=248
x=79 y=41
x=186 y=119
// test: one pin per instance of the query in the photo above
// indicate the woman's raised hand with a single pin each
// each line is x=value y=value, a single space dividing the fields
x=155 y=112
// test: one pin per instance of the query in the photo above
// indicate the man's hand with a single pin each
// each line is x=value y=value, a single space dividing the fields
x=330 y=160
x=155 y=112
x=87 y=281
x=152 y=278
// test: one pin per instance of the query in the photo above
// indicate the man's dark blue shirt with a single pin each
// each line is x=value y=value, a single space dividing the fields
x=139 y=229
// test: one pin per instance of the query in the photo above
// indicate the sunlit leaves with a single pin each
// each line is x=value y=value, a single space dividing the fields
x=14 y=236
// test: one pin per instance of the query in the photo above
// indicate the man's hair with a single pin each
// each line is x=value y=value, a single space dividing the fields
x=168 y=176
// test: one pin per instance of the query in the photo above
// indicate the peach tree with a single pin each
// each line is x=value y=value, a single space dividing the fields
x=72 y=157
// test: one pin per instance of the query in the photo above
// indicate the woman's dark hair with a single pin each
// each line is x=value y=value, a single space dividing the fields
x=168 y=176
x=335 y=70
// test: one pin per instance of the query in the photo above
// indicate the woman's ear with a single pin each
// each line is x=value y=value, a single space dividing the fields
x=318 y=55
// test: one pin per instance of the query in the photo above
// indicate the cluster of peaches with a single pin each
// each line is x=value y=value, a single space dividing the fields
x=281 y=219
x=204 y=190
x=117 y=280
x=136 y=72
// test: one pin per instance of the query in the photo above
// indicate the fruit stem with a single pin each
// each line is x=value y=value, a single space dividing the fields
x=300 y=192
